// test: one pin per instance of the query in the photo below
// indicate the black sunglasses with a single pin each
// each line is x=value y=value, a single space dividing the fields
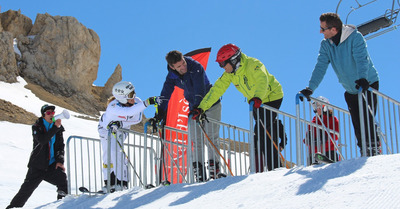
x=324 y=29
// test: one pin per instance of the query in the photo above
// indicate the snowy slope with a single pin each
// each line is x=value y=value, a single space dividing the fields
x=358 y=183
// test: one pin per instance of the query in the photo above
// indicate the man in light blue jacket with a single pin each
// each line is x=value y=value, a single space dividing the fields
x=346 y=49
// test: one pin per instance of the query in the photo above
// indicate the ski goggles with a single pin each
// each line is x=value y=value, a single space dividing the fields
x=131 y=95
x=223 y=63
x=50 y=112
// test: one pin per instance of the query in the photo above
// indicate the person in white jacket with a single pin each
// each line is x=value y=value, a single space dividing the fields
x=124 y=109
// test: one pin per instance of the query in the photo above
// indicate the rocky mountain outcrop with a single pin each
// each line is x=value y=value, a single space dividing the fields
x=8 y=62
x=15 y=114
x=58 y=55
x=62 y=56
x=15 y=23
x=114 y=78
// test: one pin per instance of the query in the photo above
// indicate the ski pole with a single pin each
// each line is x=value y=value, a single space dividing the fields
x=174 y=163
x=160 y=133
x=162 y=156
x=216 y=149
x=169 y=154
x=126 y=156
x=160 y=136
x=276 y=147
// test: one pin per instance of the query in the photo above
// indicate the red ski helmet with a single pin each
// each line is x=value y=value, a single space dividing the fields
x=226 y=52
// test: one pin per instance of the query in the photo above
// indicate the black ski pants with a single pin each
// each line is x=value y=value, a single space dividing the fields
x=264 y=149
x=32 y=180
x=352 y=103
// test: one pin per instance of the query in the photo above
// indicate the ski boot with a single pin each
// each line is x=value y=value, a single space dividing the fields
x=112 y=187
x=199 y=172
x=374 y=150
x=61 y=194
x=215 y=172
x=105 y=190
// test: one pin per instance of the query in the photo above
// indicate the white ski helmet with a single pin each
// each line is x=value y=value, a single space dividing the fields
x=316 y=104
x=123 y=90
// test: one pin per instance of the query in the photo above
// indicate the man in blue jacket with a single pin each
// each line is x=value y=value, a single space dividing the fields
x=189 y=75
x=346 y=49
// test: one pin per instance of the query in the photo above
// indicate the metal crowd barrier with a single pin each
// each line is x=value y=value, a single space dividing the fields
x=153 y=159
x=178 y=154
x=172 y=160
x=345 y=145
x=279 y=151
x=230 y=148
x=168 y=155
x=385 y=133
x=84 y=161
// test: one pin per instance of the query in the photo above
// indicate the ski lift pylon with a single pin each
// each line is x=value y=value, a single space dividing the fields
x=372 y=28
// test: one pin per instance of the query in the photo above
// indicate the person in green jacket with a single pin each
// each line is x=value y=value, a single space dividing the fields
x=253 y=80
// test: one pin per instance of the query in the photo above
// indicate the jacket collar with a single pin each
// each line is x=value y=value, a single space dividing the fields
x=243 y=64
x=347 y=30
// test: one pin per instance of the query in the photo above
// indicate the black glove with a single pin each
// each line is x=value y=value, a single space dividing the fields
x=114 y=126
x=257 y=102
x=153 y=122
x=363 y=83
x=152 y=101
x=160 y=116
x=198 y=114
x=306 y=93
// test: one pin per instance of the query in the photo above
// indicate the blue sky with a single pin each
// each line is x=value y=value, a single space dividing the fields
x=284 y=35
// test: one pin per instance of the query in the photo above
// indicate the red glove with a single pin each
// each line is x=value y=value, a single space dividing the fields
x=257 y=102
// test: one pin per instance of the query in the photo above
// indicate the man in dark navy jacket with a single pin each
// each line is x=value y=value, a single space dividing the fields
x=189 y=75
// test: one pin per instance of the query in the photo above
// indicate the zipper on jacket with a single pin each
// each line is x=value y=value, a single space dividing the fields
x=246 y=82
